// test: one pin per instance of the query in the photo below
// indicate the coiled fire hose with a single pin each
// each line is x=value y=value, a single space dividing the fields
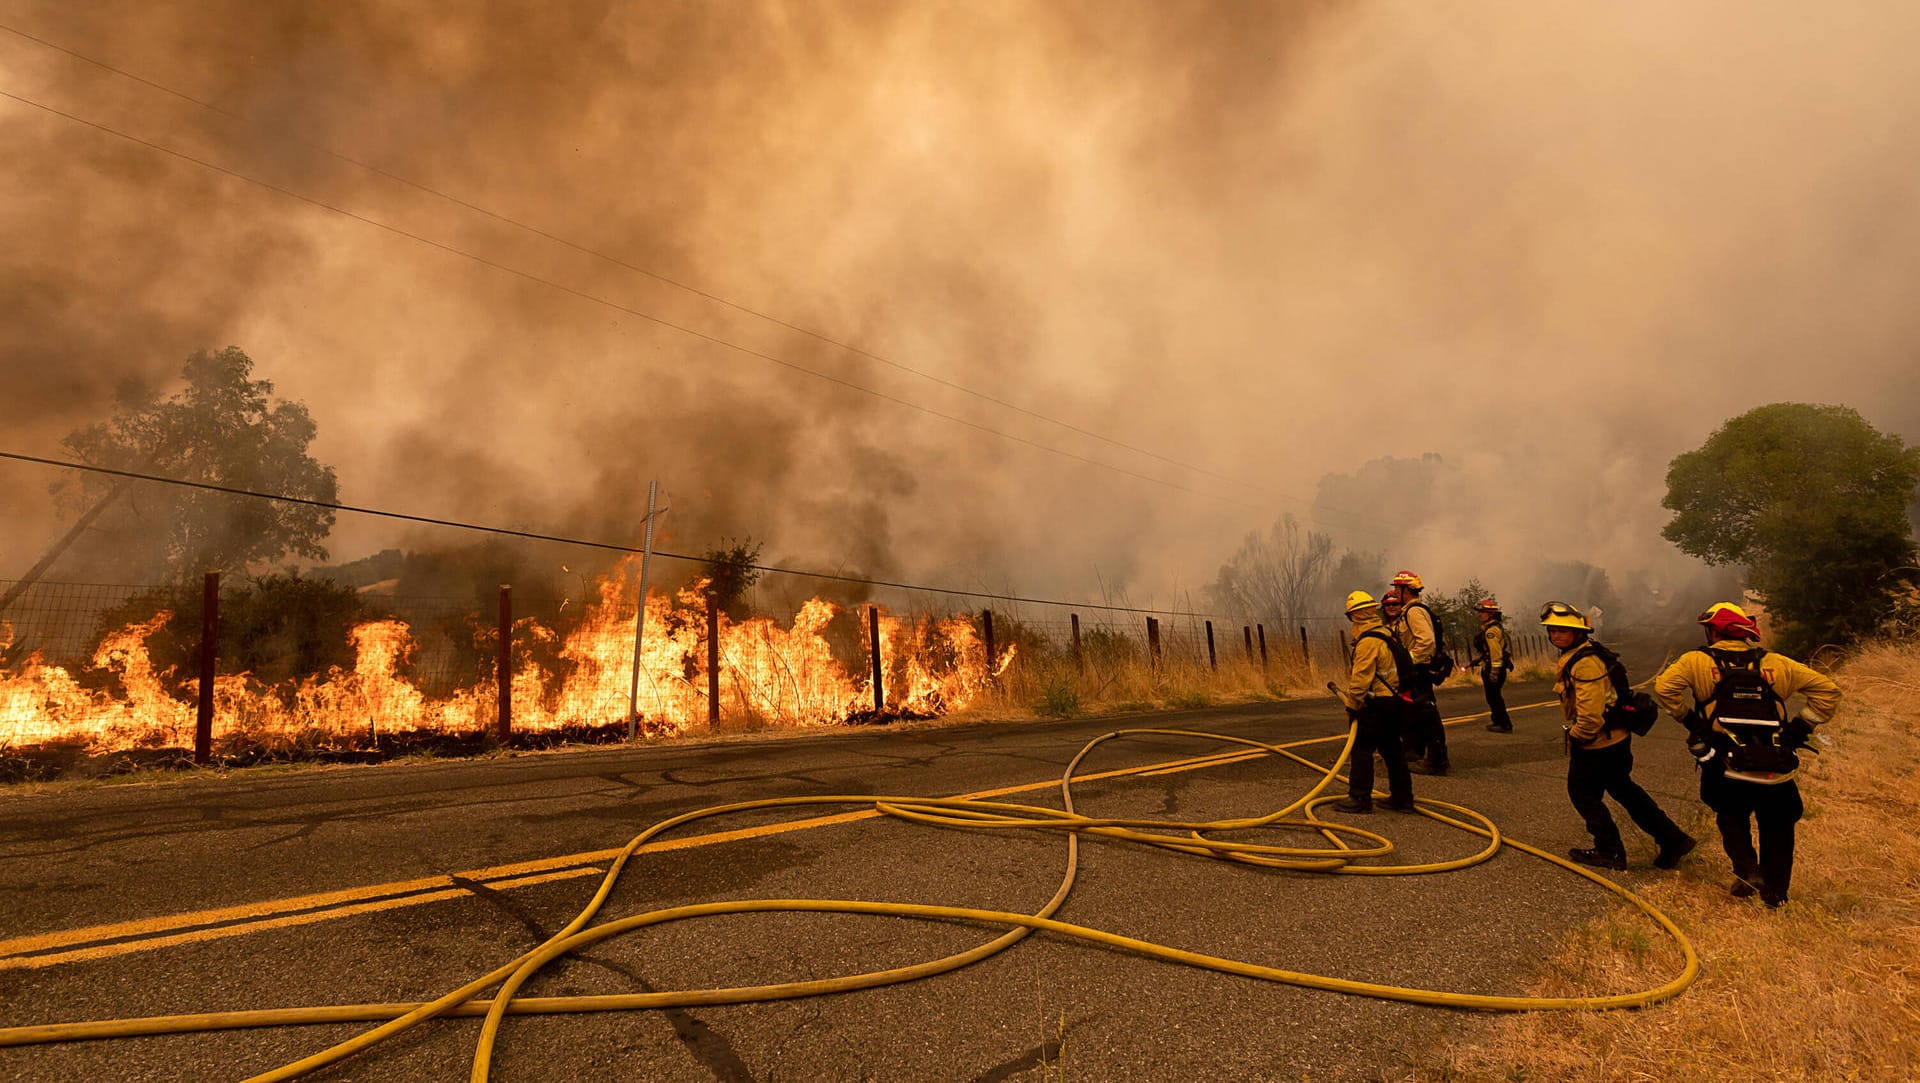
x=1195 y=838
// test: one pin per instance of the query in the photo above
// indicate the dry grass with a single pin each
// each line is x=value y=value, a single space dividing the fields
x=1827 y=987
x=1051 y=687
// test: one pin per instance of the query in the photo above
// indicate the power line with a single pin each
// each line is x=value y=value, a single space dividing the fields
x=586 y=543
x=615 y=305
x=617 y=261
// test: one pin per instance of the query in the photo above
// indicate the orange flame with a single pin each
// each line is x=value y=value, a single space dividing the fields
x=769 y=675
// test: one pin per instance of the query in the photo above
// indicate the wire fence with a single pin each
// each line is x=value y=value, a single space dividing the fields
x=120 y=663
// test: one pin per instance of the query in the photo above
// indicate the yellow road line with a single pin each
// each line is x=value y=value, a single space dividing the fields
x=122 y=938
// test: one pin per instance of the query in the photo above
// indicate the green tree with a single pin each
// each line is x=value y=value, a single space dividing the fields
x=223 y=428
x=729 y=572
x=1812 y=501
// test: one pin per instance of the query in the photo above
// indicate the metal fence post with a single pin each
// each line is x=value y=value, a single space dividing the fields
x=1306 y=653
x=1153 y=643
x=986 y=627
x=1262 y=630
x=1213 y=660
x=503 y=667
x=209 y=636
x=1079 y=659
x=873 y=642
x=713 y=659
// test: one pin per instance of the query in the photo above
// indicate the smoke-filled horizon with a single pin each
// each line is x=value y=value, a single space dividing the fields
x=1553 y=244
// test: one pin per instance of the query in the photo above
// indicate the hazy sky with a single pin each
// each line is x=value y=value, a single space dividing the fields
x=1555 y=243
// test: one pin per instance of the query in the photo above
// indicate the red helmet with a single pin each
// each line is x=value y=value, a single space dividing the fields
x=1729 y=622
x=1407 y=579
x=1488 y=605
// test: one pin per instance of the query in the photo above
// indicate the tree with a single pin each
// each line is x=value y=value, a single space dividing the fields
x=1455 y=612
x=223 y=428
x=1276 y=577
x=729 y=573
x=1812 y=501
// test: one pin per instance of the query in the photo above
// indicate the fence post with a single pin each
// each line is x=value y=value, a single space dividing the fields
x=503 y=669
x=1306 y=652
x=986 y=626
x=1246 y=633
x=1153 y=643
x=1213 y=661
x=209 y=635
x=713 y=659
x=1262 y=629
x=873 y=641
x=1079 y=660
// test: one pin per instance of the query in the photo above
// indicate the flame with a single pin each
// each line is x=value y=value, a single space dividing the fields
x=769 y=675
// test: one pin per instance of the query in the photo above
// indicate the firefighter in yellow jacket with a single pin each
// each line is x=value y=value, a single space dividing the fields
x=1740 y=734
x=1491 y=653
x=1413 y=624
x=1373 y=699
x=1600 y=754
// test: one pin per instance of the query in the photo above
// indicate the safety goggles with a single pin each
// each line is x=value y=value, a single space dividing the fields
x=1559 y=609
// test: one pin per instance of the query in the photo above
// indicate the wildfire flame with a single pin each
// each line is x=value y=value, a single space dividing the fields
x=769 y=674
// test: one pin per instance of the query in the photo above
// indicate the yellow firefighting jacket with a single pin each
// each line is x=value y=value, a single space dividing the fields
x=1414 y=629
x=1373 y=673
x=1585 y=693
x=1492 y=642
x=1695 y=674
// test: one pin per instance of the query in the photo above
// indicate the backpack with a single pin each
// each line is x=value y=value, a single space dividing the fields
x=1402 y=661
x=1440 y=666
x=1633 y=711
x=1751 y=712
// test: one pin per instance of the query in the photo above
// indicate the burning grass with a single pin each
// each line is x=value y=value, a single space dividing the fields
x=131 y=702
x=1827 y=987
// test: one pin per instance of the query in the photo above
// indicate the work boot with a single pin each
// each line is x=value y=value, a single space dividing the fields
x=1403 y=804
x=1774 y=902
x=1348 y=804
x=1495 y=727
x=1598 y=859
x=1743 y=883
x=1427 y=767
x=1672 y=851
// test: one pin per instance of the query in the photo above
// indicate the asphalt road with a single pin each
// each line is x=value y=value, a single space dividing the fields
x=399 y=882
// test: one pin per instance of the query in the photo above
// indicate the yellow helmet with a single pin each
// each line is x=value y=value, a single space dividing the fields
x=1407 y=579
x=1707 y=614
x=1562 y=615
x=1359 y=600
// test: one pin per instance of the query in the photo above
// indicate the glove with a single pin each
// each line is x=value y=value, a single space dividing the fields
x=1700 y=748
x=1798 y=734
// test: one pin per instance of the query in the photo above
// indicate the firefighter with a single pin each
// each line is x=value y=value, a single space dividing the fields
x=1741 y=736
x=1600 y=755
x=1374 y=703
x=1413 y=625
x=1495 y=660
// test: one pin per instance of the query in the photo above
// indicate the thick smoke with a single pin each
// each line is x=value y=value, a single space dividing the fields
x=1554 y=244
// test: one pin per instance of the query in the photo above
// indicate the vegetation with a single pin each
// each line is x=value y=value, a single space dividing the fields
x=276 y=627
x=1824 y=988
x=224 y=428
x=1813 y=502
x=1276 y=577
x=730 y=573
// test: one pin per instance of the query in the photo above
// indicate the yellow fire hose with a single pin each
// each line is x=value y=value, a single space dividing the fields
x=1338 y=856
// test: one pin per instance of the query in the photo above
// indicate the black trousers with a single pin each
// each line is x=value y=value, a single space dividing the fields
x=1596 y=772
x=1426 y=735
x=1493 y=679
x=1377 y=726
x=1736 y=806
